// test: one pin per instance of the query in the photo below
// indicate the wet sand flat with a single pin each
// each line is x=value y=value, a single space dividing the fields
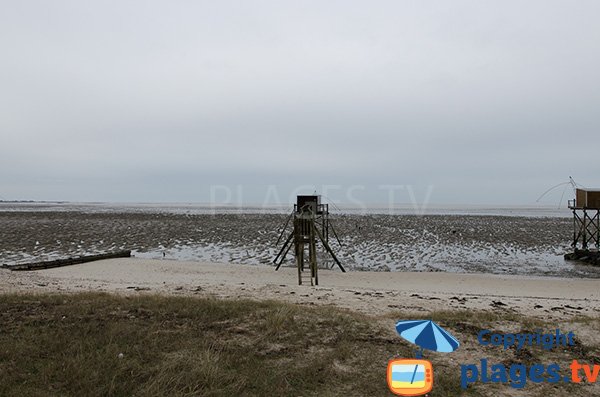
x=451 y=243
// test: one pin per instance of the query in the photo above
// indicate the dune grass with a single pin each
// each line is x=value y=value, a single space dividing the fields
x=96 y=344
x=100 y=344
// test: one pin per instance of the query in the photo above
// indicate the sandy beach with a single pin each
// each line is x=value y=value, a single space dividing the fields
x=368 y=292
x=502 y=273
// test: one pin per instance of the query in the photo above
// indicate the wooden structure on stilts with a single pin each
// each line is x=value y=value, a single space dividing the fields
x=311 y=224
x=586 y=225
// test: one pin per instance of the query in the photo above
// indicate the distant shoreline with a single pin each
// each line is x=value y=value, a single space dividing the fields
x=373 y=209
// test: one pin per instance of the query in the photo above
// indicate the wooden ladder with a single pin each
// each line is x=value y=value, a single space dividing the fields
x=306 y=277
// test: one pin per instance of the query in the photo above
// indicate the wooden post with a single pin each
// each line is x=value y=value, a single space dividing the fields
x=313 y=254
x=299 y=260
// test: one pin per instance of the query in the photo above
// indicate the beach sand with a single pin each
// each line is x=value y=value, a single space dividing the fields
x=367 y=292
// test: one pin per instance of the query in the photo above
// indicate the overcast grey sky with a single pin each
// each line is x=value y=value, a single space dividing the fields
x=488 y=102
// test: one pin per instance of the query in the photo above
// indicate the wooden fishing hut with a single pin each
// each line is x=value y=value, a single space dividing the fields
x=310 y=225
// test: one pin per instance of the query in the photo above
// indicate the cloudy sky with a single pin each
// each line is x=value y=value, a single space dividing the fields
x=472 y=102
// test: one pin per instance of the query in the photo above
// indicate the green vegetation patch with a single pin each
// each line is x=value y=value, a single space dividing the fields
x=100 y=344
x=97 y=344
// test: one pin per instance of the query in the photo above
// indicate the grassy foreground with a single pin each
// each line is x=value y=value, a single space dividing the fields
x=108 y=345
x=71 y=345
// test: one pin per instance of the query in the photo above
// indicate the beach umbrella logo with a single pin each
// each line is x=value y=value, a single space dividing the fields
x=427 y=335
x=414 y=377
